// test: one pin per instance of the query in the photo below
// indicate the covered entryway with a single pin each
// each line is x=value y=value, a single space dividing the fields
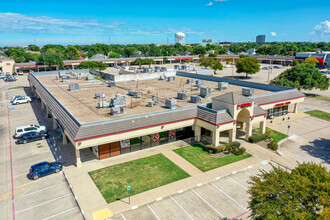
x=244 y=125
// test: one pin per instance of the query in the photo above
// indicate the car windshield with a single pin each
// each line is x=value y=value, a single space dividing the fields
x=50 y=164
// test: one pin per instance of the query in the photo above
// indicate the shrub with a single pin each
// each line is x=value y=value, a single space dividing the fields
x=234 y=144
x=240 y=151
x=258 y=138
x=273 y=145
x=211 y=149
x=222 y=148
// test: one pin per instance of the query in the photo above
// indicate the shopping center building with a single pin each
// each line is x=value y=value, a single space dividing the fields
x=222 y=116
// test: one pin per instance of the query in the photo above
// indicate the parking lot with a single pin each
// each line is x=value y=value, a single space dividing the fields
x=225 y=197
x=50 y=197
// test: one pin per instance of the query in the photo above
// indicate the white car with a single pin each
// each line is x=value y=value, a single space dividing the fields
x=20 y=73
x=22 y=99
x=27 y=128
x=15 y=97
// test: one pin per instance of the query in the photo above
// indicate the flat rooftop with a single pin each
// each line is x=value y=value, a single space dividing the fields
x=84 y=107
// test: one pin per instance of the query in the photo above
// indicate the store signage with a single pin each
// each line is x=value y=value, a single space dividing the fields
x=8 y=64
x=245 y=105
x=282 y=104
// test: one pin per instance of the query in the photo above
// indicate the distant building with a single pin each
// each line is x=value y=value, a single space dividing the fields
x=99 y=57
x=251 y=51
x=261 y=39
x=322 y=56
x=205 y=42
x=224 y=43
x=138 y=54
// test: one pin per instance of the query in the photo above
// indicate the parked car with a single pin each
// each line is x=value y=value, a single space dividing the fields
x=20 y=73
x=276 y=67
x=2 y=75
x=28 y=128
x=15 y=97
x=10 y=79
x=22 y=99
x=14 y=74
x=43 y=169
x=31 y=136
x=266 y=68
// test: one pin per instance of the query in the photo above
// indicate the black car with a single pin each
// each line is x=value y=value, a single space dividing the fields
x=43 y=169
x=14 y=74
x=9 y=79
x=31 y=136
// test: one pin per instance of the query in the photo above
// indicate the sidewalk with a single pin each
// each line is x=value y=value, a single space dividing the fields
x=91 y=200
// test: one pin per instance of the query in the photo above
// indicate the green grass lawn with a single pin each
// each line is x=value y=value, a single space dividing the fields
x=319 y=114
x=317 y=96
x=277 y=136
x=142 y=175
x=203 y=161
x=17 y=87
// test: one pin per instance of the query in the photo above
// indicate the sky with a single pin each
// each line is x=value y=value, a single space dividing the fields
x=144 y=22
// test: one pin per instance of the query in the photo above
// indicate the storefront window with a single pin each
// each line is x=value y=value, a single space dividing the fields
x=135 y=144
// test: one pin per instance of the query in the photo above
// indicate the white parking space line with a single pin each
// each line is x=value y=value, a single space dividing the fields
x=23 y=210
x=123 y=216
x=238 y=183
x=153 y=212
x=41 y=190
x=60 y=213
x=207 y=203
x=23 y=174
x=181 y=208
x=229 y=197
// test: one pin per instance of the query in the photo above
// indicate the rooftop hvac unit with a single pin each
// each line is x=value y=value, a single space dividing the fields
x=154 y=99
x=65 y=79
x=136 y=94
x=150 y=103
x=205 y=91
x=170 y=103
x=61 y=73
x=182 y=95
x=112 y=84
x=89 y=78
x=190 y=81
x=118 y=102
x=177 y=67
x=195 y=99
x=222 y=85
x=100 y=95
x=170 y=78
x=162 y=77
x=57 y=77
x=199 y=82
x=247 y=91
x=116 y=110
x=122 y=70
x=104 y=104
x=74 y=87
x=183 y=67
x=163 y=69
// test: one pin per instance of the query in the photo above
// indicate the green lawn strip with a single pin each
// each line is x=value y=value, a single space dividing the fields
x=17 y=87
x=319 y=114
x=142 y=175
x=277 y=136
x=317 y=96
x=203 y=161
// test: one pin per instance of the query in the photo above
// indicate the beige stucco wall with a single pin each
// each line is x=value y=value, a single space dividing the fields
x=273 y=105
x=133 y=134
x=7 y=66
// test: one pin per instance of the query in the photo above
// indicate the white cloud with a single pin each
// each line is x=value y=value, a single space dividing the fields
x=322 y=29
x=209 y=4
x=273 y=34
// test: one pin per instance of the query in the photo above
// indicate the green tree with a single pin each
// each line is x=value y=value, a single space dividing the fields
x=247 y=65
x=71 y=53
x=312 y=61
x=214 y=64
x=92 y=65
x=114 y=55
x=165 y=59
x=138 y=61
x=50 y=59
x=18 y=54
x=32 y=57
x=32 y=47
x=263 y=50
x=199 y=50
x=148 y=61
x=295 y=62
x=302 y=76
x=129 y=51
x=302 y=193
x=55 y=49
x=243 y=56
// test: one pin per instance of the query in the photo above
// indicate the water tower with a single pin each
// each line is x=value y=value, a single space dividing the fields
x=180 y=38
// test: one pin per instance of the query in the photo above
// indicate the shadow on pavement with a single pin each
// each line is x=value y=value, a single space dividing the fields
x=319 y=148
